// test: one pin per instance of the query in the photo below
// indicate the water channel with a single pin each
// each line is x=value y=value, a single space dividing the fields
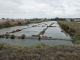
x=54 y=32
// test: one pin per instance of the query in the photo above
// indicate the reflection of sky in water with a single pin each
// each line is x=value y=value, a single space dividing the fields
x=30 y=31
x=54 y=32
x=4 y=30
x=33 y=41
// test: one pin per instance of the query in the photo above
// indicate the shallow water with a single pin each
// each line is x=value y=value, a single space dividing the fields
x=33 y=41
x=54 y=32
x=4 y=30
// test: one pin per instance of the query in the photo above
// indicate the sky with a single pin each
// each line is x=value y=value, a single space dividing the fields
x=39 y=8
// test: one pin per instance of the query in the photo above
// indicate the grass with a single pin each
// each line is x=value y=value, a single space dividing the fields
x=74 y=30
x=17 y=23
x=74 y=25
x=39 y=51
x=39 y=45
x=71 y=23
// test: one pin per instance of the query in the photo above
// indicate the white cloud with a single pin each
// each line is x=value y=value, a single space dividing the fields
x=39 y=8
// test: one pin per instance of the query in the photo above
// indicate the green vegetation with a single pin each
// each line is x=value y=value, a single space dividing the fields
x=57 y=19
x=42 y=33
x=23 y=36
x=7 y=35
x=17 y=23
x=50 y=37
x=33 y=35
x=67 y=28
x=2 y=45
x=43 y=36
x=12 y=36
x=13 y=20
x=39 y=37
x=27 y=22
x=72 y=20
x=1 y=26
x=77 y=37
x=5 y=25
x=71 y=24
x=39 y=51
x=72 y=28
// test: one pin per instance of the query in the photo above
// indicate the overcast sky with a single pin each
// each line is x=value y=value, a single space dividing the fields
x=39 y=8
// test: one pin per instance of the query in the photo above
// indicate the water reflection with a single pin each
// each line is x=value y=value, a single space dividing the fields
x=33 y=41
x=54 y=32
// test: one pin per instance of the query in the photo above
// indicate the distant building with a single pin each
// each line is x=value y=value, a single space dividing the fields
x=77 y=20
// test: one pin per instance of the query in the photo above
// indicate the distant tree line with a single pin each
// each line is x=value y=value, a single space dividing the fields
x=56 y=19
x=71 y=19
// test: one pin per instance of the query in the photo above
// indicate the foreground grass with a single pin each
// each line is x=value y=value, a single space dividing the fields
x=39 y=51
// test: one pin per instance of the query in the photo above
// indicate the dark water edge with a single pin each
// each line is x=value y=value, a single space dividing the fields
x=33 y=41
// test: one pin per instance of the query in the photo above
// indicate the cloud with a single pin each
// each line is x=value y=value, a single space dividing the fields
x=39 y=8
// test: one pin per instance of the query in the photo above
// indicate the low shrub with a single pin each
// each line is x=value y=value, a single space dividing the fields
x=13 y=20
x=39 y=37
x=19 y=23
x=64 y=26
x=23 y=36
x=12 y=36
x=27 y=22
x=50 y=37
x=7 y=35
x=71 y=29
x=33 y=35
x=7 y=24
x=77 y=35
x=42 y=33
x=67 y=28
